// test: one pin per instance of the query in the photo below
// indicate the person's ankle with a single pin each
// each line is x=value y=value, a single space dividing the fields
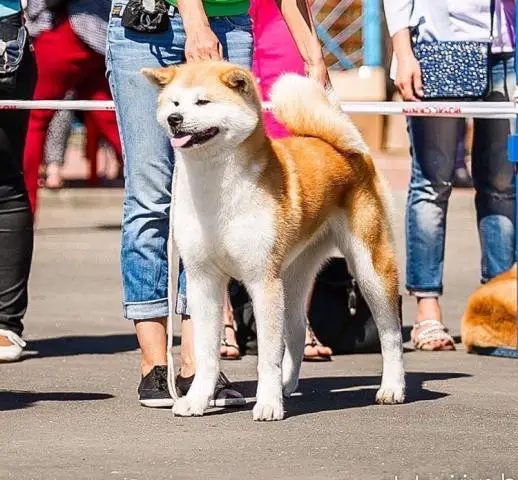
x=146 y=366
x=187 y=369
x=230 y=334
x=428 y=309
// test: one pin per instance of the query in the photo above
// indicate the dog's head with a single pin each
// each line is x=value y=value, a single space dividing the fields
x=206 y=105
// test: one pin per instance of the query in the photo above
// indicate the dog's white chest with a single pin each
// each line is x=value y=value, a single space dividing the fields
x=222 y=222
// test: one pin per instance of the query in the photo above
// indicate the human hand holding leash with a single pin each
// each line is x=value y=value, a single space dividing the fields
x=201 y=43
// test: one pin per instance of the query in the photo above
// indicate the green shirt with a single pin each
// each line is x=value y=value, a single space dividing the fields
x=222 y=8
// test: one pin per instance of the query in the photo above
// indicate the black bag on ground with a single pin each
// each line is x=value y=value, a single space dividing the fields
x=338 y=314
x=246 y=333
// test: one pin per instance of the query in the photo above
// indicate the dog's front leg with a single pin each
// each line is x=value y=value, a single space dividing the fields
x=268 y=301
x=205 y=294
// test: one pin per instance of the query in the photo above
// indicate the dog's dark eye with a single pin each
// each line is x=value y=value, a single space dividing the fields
x=176 y=104
x=202 y=102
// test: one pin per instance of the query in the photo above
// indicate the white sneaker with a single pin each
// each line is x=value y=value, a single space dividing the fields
x=12 y=352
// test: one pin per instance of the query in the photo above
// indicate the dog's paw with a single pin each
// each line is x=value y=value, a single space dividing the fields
x=189 y=407
x=268 y=412
x=390 y=395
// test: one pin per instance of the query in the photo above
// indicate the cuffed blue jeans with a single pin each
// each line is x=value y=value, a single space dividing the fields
x=148 y=156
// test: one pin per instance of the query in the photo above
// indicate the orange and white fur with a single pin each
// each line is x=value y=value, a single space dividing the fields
x=269 y=213
x=490 y=316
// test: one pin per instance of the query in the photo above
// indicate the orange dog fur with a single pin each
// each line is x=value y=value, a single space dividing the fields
x=490 y=316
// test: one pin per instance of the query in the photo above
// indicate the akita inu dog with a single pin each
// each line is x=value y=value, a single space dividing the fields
x=269 y=213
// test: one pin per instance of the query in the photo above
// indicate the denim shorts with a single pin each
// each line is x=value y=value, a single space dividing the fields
x=148 y=157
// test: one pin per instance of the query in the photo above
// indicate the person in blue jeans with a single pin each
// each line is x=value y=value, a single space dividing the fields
x=433 y=148
x=196 y=30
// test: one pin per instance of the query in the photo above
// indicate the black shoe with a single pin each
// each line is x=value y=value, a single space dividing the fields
x=225 y=395
x=462 y=178
x=183 y=384
x=153 y=391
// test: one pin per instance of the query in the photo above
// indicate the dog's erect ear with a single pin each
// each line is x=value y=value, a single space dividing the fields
x=159 y=76
x=238 y=79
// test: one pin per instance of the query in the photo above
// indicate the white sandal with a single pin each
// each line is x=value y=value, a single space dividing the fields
x=428 y=331
x=12 y=352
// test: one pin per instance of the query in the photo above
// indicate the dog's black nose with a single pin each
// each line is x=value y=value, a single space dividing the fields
x=174 y=120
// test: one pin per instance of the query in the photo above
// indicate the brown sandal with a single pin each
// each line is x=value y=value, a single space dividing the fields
x=314 y=344
x=236 y=354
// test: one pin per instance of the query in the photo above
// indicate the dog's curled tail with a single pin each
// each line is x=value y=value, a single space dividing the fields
x=306 y=109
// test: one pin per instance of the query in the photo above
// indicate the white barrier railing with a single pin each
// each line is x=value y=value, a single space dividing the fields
x=421 y=109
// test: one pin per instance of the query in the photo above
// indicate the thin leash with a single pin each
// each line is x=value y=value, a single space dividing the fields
x=171 y=384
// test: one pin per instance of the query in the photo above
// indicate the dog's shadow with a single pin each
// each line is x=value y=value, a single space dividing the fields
x=320 y=394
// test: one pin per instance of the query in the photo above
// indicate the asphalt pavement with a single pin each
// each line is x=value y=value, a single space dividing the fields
x=69 y=410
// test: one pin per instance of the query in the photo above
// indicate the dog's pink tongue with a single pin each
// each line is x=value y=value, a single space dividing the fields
x=178 y=142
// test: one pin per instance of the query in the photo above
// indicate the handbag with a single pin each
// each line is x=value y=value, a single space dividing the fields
x=13 y=39
x=339 y=314
x=455 y=69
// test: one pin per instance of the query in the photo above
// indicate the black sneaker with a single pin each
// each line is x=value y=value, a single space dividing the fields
x=225 y=395
x=153 y=391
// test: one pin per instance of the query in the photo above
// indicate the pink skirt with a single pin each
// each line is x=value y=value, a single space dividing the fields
x=275 y=53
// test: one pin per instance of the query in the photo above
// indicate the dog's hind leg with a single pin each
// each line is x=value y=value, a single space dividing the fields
x=206 y=294
x=298 y=279
x=268 y=300
x=365 y=240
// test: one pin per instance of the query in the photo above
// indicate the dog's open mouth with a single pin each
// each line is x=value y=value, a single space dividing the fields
x=186 y=140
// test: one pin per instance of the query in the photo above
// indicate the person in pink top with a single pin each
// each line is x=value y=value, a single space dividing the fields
x=275 y=52
x=285 y=41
